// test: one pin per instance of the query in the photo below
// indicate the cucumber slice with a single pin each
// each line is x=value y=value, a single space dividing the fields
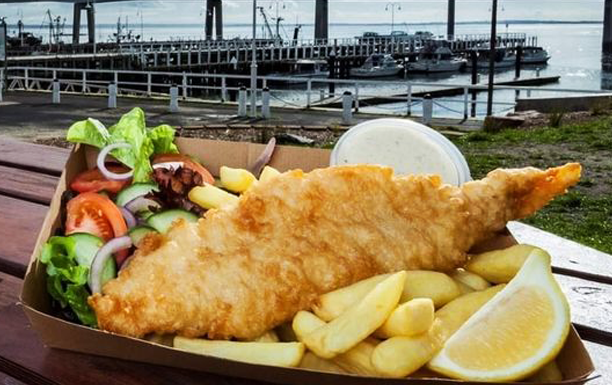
x=87 y=245
x=162 y=221
x=134 y=191
x=139 y=232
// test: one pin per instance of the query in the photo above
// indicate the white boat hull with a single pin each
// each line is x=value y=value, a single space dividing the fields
x=535 y=59
x=432 y=67
x=375 y=72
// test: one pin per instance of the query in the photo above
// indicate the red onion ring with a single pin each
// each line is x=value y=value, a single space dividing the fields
x=130 y=220
x=102 y=158
x=140 y=204
x=102 y=256
x=263 y=158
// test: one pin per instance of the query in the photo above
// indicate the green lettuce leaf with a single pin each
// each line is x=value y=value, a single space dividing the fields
x=66 y=279
x=130 y=129
x=163 y=140
x=90 y=131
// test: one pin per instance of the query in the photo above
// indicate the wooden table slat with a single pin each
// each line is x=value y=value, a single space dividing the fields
x=34 y=157
x=602 y=359
x=27 y=185
x=5 y=379
x=591 y=306
x=568 y=257
x=20 y=222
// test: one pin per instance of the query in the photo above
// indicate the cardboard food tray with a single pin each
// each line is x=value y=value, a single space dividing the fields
x=573 y=360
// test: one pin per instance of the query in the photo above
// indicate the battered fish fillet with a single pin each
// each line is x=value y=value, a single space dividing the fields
x=243 y=270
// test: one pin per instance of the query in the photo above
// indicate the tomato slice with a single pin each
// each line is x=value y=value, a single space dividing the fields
x=188 y=162
x=94 y=181
x=96 y=214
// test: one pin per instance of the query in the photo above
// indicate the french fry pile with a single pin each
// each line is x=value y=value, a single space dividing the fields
x=389 y=325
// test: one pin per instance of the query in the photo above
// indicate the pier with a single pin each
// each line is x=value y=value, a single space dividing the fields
x=236 y=55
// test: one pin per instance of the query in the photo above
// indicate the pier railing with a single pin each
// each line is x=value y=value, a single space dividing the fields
x=399 y=97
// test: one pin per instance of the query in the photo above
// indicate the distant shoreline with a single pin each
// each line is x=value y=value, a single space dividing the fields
x=501 y=22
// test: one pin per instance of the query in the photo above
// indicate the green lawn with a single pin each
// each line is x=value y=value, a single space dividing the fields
x=585 y=213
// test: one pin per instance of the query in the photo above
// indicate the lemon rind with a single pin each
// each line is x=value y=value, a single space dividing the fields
x=535 y=272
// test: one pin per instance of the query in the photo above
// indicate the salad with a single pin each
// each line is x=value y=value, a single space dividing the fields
x=141 y=186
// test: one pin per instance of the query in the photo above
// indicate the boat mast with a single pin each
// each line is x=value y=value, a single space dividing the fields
x=265 y=17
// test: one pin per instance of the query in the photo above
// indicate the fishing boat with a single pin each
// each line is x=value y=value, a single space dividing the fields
x=503 y=59
x=310 y=68
x=377 y=65
x=303 y=69
x=441 y=59
x=534 y=55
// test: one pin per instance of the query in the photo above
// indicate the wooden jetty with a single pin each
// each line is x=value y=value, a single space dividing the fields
x=236 y=55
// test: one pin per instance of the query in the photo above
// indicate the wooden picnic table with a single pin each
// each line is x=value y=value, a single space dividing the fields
x=28 y=175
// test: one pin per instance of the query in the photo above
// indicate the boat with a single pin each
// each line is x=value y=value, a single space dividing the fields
x=503 y=59
x=303 y=69
x=441 y=59
x=534 y=55
x=310 y=68
x=22 y=39
x=377 y=65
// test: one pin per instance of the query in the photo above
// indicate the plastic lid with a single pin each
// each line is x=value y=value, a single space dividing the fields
x=407 y=146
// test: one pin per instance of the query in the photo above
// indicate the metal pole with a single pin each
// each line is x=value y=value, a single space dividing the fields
x=254 y=64
x=492 y=58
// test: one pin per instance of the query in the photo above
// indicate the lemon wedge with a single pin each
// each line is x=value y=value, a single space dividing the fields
x=517 y=332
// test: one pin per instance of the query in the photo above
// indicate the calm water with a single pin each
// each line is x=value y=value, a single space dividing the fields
x=575 y=50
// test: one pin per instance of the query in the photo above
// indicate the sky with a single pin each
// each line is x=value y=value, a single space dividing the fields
x=302 y=11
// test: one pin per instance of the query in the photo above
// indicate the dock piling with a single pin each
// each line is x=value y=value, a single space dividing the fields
x=427 y=109
x=466 y=93
x=56 y=91
x=308 y=92
x=606 y=48
x=450 y=26
x=91 y=23
x=321 y=20
x=265 y=103
x=223 y=89
x=347 y=108
x=242 y=100
x=112 y=95
x=174 y=93
x=76 y=22
x=519 y=58
x=409 y=100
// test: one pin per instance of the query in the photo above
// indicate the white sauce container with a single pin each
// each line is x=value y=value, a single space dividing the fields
x=406 y=146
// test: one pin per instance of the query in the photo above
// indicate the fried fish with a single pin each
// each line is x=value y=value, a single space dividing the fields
x=245 y=269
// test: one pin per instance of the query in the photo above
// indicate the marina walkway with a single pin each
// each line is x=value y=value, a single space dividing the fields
x=31 y=115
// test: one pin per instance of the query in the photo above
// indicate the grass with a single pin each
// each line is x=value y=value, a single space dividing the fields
x=585 y=213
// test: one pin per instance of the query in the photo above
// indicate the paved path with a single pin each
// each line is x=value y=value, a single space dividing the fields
x=31 y=114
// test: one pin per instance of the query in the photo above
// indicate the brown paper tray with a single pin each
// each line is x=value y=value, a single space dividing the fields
x=573 y=360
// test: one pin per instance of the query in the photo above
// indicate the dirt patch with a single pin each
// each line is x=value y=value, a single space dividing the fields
x=536 y=119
